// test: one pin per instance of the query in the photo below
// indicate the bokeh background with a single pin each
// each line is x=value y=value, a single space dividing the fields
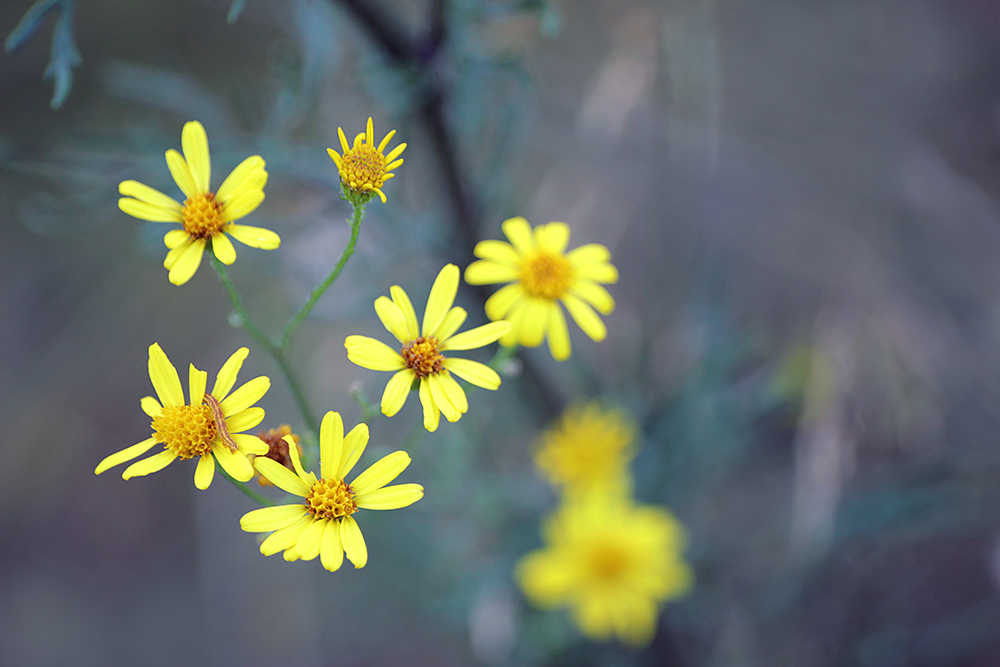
x=801 y=197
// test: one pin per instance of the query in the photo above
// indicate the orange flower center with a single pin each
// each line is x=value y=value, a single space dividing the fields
x=423 y=357
x=202 y=216
x=608 y=562
x=186 y=430
x=546 y=275
x=331 y=499
x=363 y=168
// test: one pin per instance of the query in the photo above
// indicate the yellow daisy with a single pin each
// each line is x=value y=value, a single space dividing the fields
x=421 y=356
x=612 y=563
x=208 y=427
x=363 y=167
x=589 y=447
x=541 y=277
x=204 y=215
x=324 y=524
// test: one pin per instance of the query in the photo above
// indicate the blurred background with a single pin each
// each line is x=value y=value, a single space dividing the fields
x=802 y=200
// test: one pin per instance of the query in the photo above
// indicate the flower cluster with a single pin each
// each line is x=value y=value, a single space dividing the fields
x=607 y=558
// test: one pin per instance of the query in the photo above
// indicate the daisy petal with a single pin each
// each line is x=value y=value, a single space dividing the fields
x=354 y=445
x=255 y=237
x=393 y=154
x=601 y=273
x=396 y=391
x=401 y=299
x=187 y=263
x=585 y=317
x=373 y=354
x=441 y=398
x=176 y=251
x=516 y=319
x=450 y=324
x=385 y=141
x=194 y=141
x=500 y=303
x=308 y=542
x=455 y=393
x=196 y=385
x=149 y=212
x=151 y=406
x=237 y=175
x=205 y=471
x=595 y=295
x=344 y=147
x=331 y=550
x=335 y=156
x=354 y=542
x=124 y=455
x=285 y=537
x=381 y=472
x=182 y=174
x=255 y=180
x=553 y=236
x=144 y=193
x=331 y=444
x=441 y=298
x=473 y=372
x=280 y=476
x=432 y=415
x=164 y=377
x=392 y=318
x=485 y=272
x=267 y=519
x=246 y=396
x=250 y=444
x=226 y=378
x=536 y=317
x=497 y=251
x=244 y=204
x=592 y=253
x=175 y=238
x=558 y=335
x=478 y=337
x=150 y=465
x=244 y=419
x=234 y=463
x=391 y=497
x=223 y=249
x=519 y=232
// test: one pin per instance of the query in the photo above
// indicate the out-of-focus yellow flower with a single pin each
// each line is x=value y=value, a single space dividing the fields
x=611 y=563
x=364 y=167
x=421 y=357
x=589 y=447
x=324 y=524
x=541 y=277
x=205 y=215
x=208 y=427
x=277 y=448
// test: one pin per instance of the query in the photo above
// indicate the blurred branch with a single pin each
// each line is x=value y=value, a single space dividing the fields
x=65 y=56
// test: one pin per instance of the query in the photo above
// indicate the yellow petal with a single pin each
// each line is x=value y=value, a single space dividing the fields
x=266 y=519
x=226 y=378
x=308 y=544
x=331 y=444
x=441 y=399
x=255 y=237
x=595 y=295
x=585 y=317
x=381 y=472
x=392 y=319
x=177 y=251
x=450 y=324
x=182 y=174
x=163 y=375
x=148 y=466
x=497 y=251
x=250 y=444
x=373 y=354
x=402 y=300
x=293 y=453
x=247 y=395
x=485 y=272
x=194 y=141
x=196 y=384
x=591 y=253
x=234 y=463
x=285 y=537
x=396 y=152
x=331 y=550
x=280 y=476
x=370 y=133
x=223 y=249
x=473 y=372
x=146 y=211
x=500 y=303
x=396 y=391
x=553 y=236
x=516 y=319
x=478 y=337
x=335 y=156
x=253 y=181
x=244 y=204
x=432 y=415
x=601 y=273
x=144 y=193
x=354 y=542
x=391 y=497
x=175 y=238
x=534 y=322
x=150 y=406
x=454 y=392
x=238 y=175
x=187 y=263
x=385 y=141
x=519 y=232
x=354 y=445
x=343 y=141
x=441 y=298
x=124 y=455
x=205 y=471
x=558 y=335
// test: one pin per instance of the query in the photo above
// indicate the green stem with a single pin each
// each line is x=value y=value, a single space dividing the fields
x=356 y=218
x=277 y=353
x=256 y=497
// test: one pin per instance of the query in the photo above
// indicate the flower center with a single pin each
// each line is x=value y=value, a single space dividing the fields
x=546 y=275
x=608 y=562
x=202 y=216
x=423 y=357
x=331 y=499
x=186 y=430
x=363 y=166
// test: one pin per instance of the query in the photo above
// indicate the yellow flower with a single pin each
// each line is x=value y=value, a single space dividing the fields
x=363 y=167
x=612 y=563
x=204 y=215
x=541 y=277
x=589 y=447
x=421 y=356
x=324 y=524
x=208 y=427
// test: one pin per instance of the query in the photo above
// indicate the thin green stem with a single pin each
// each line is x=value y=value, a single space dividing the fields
x=293 y=324
x=245 y=490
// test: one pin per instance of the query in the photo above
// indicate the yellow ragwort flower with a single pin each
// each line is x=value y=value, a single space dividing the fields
x=421 y=356
x=611 y=562
x=541 y=277
x=589 y=448
x=363 y=167
x=204 y=215
x=208 y=427
x=324 y=524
